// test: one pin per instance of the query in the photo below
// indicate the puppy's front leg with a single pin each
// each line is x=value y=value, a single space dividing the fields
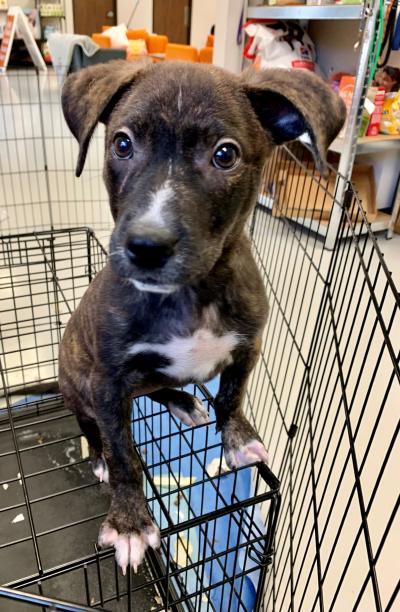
x=242 y=444
x=128 y=526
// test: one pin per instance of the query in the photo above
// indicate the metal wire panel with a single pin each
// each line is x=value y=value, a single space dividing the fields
x=325 y=399
x=38 y=154
x=214 y=546
x=324 y=395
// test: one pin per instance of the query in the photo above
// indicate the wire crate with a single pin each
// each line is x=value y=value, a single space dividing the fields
x=215 y=546
x=330 y=376
x=323 y=396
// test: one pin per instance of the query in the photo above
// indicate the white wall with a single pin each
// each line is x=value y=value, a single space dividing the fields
x=143 y=16
x=69 y=16
x=334 y=41
x=203 y=17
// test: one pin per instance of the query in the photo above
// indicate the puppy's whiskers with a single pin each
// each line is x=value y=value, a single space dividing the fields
x=118 y=251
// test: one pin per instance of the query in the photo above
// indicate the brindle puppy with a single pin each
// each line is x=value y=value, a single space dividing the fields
x=180 y=299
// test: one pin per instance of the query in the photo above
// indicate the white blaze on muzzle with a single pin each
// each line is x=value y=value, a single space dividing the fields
x=154 y=214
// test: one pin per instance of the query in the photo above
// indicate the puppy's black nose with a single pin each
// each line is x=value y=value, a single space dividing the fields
x=149 y=253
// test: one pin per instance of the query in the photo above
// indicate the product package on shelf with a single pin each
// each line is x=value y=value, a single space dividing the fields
x=379 y=97
x=366 y=115
x=54 y=9
x=346 y=91
x=390 y=120
x=281 y=44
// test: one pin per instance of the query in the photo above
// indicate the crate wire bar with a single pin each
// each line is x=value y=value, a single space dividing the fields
x=41 y=441
x=323 y=396
x=330 y=376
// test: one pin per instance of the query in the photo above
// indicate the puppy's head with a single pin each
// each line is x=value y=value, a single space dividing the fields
x=185 y=146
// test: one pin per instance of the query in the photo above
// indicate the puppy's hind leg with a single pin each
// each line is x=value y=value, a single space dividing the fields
x=187 y=408
x=91 y=432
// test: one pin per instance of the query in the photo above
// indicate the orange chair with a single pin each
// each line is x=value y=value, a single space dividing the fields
x=157 y=43
x=206 y=55
x=136 y=34
x=173 y=51
x=103 y=41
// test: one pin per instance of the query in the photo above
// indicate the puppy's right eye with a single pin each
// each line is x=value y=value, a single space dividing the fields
x=122 y=146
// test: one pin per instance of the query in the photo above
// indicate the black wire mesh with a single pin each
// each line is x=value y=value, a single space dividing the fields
x=55 y=505
x=324 y=397
x=38 y=187
x=330 y=377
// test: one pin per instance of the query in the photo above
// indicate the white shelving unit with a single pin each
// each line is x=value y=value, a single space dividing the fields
x=58 y=20
x=306 y=12
x=228 y=53
x=369 y=144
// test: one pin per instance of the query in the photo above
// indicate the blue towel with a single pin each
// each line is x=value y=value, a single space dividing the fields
x=170 y=446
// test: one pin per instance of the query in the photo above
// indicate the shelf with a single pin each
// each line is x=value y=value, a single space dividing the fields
x=379 y=223
x=306 y=11
x=370 y=144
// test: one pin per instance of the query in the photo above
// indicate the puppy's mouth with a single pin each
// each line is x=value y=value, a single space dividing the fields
x=142 y=280
x=154 y=287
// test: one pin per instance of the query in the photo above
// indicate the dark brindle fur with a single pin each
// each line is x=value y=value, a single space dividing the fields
x=185 y=218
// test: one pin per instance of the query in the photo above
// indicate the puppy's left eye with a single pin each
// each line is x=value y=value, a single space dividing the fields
x=122 y=146
x=226 y=156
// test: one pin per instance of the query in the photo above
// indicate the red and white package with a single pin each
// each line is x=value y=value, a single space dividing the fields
x=374 y=122
x=280 y=44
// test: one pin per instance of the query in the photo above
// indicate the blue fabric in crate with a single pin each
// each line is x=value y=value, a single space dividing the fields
x=164 y=444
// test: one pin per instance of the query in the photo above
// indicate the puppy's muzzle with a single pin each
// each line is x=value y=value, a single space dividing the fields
x=150 y=251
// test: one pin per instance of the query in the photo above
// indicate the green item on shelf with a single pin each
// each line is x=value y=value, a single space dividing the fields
x=367 y=111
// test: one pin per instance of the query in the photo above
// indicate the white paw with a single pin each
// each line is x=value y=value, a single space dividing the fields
x=129 y=547
x=100 y=470
x=252 y=452
x=197 y=416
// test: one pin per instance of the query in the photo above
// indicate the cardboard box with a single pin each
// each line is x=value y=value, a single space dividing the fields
x=299 y=195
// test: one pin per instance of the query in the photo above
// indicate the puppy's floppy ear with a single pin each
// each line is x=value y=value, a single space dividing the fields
x=88 y=96
x=296 y=103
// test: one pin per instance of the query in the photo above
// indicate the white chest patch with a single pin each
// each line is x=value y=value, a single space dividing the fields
x=194 y=357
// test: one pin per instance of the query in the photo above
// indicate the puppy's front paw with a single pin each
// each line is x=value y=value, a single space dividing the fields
x=189 y=410
x=242 y=445
x=129 y=528
x=129 y=547
x=252 y=452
